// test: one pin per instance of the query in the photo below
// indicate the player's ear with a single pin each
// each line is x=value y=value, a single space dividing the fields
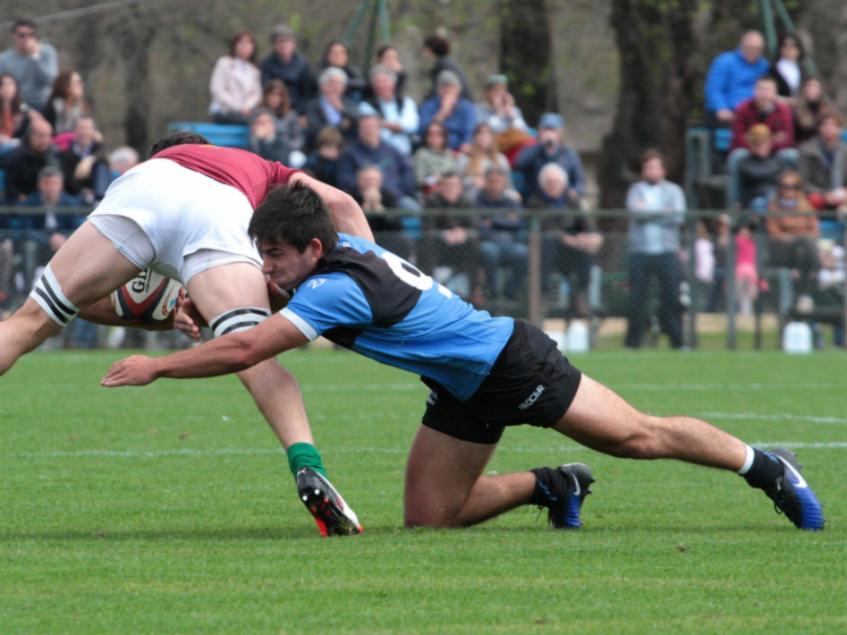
x=317 y=246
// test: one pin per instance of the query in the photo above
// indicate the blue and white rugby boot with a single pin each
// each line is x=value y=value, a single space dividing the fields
x=791 y=494
x=332 y=515
x=562 y=491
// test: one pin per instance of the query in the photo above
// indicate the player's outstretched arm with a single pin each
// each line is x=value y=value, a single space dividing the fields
x=228 y=354
x=346 y=213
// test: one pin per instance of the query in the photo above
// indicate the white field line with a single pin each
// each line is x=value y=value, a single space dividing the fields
x=222 y=452
x=786 y=417
x=735 y=386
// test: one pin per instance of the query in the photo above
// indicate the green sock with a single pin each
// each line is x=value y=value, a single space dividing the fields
x=302 y=455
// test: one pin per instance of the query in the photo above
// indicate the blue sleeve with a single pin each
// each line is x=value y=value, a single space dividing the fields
x=576 y=176
x=326 y=301
x=715 y=80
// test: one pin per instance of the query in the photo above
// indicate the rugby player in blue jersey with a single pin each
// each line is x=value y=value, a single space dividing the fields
x=484 y=373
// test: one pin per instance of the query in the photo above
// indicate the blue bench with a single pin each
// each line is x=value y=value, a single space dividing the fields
x=228 y=135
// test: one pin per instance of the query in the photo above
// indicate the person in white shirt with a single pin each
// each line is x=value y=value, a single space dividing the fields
x=398 y=115
x=236 y=82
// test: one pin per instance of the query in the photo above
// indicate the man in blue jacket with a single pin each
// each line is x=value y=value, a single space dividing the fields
x=733 y=75
x=484 y=373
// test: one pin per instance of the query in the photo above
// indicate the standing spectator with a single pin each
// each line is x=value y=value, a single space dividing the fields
x=66 y=103
x=337 y=55
x=656 y=211
x=823 y=164
x=322 y=163
x=503 y=236
x=551 y=148
x=84 y=164
x=14 y=114
x=287 y=64
x=437 y=50
x=448 y=107
x=370 y=150
x=398 y=115
x=570 y=241
x=792 y=236
x=34 y=64
x=746 y=269
x=733 y=74
x=758 y=170
x=331 y=107
x=23 y=164
x=499 y=111
x=481 y=155
x=264 y=139
x=275 y=98
x=451 y=240
x=808 y=107
x=374 y=198
x=787 y=70
x=720 y=248
x=433 y=158
x=235 y=85
x=765 y=107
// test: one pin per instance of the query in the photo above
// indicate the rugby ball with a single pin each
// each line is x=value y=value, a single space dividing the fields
x=148 y=296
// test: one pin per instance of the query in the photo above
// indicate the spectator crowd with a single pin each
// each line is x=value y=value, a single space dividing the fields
x=452 y=150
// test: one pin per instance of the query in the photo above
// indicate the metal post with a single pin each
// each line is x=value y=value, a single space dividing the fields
x=731 y=306
x=691 y=228
x=534 y=271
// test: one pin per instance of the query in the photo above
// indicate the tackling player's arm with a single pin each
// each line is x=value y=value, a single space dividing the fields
x=228 y=354
x=346 y=213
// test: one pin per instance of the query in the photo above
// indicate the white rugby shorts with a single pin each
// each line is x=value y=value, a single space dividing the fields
x=180 y=213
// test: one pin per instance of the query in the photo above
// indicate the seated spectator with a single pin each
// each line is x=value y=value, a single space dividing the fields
x=275 y=98
x=287 y=64
x=823 y=165
x=766 y=108
x=66 y=103
x=337 y=55
x=14 y=114
x=41 y=235
x=570 y=241
x=389 y=57
x=433 y=158
x=792 y=227
x=322 y=162
x=732 y=76
x=499 y=111
x=374 y=198
x=84 y=163
x=481 y=155
x=551 y=148
x=437 y=50
x=788 y=71
x=808 y=107
x=451 y=242
x=33 y=63
x=331 y=107
x=370 y=150
x=503 y=236
x=448 y=107
x=235 y=85
x=759 y=169
x=23 y=164
x=264 y=139
x=122 y=160
x=398 y=115
x=656 y=212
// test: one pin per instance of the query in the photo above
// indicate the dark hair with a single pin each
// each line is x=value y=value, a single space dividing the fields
x=829 y=114
x=792 y=38
x=329 y=135
x=325 y=57
x=23 y=22
x=436 y=124
x=176 y=139
x=438 y=45
x=382 y=50
x=277 y=85
x=649 y=155
x=237 y=38
x=16 y=100
x=62 y=87
x=766 y=78
x=293 y=215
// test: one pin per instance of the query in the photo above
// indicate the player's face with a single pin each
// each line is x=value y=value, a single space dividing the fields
x=286 y=266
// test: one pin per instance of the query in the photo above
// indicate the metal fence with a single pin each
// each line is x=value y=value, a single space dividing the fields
x=729 y=283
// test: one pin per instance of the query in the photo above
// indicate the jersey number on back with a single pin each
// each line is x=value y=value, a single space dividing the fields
x=412 y=275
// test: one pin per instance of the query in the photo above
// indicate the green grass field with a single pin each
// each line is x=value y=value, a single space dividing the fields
x=170 y=509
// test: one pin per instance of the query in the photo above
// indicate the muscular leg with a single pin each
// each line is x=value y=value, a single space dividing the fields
x=274 y=389
x=444 y=486
x=605 y=422
x=88 y=268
